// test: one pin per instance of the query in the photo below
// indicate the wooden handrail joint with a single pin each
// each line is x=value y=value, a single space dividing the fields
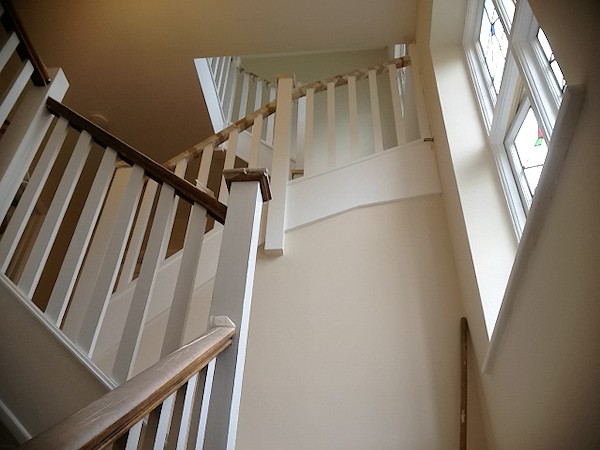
x=246 y=174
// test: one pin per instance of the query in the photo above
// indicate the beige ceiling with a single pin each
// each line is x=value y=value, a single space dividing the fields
x=132 y=60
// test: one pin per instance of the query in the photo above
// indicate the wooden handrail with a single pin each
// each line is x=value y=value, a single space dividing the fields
x=25 y=49
x=154 y=170
x=102 y=422
x=266 y=110
x=464 y=333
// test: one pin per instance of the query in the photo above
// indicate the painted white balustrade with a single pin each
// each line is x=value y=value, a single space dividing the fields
x=102 y=218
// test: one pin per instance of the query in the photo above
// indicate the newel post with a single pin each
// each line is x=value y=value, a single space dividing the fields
x=280 y=169
x=249 y=188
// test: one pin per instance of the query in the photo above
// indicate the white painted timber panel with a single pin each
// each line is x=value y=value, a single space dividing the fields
x=405 y=172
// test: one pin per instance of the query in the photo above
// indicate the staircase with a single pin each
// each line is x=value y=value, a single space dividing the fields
x=103 y=250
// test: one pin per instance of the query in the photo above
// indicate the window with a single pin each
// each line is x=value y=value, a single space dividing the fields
x=519 y=85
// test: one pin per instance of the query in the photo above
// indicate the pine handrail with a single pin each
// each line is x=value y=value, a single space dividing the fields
x=266 y=110
x=154 y=170
x=102 y=422
x=11 y=22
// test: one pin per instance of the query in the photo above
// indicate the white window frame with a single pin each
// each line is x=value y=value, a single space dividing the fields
x=525 y=68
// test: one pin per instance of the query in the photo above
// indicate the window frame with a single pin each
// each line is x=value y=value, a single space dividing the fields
x=526 y=69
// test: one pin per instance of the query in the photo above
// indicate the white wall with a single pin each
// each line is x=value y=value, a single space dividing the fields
x=543 y=388
x=354 y=335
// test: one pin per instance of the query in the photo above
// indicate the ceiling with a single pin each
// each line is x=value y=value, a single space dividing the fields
x=132 y=61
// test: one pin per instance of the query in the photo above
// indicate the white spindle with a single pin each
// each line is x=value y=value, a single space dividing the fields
x=353 y=117
x=229 y=163
x=134 y=435
x=411 y=117
x=205 y=163
x=397 y=104
x=232 y=298
x=16 y=88
x=186 y=278
x=8 y=48
x=137 y=236
x=43 y=244
x=180 y=170
x=258 y=94
x=213 y=63
x=219 y=75
x=231 y=93
x=274 y=237
x=208 y=384
x=424 y=130
x=308 y=135
x=301 y=132
x=134 y=325
x=255 y=144
x=294 y=136
x=95 y=255
x=94 y=315
x=67 y=276
x=271 y=118
x=244 y=97
x=164 y=423
x=188 y=402
x=21 y=141
x=223 y=80
x=375 y=113
x=16 y=227
x=331 y=125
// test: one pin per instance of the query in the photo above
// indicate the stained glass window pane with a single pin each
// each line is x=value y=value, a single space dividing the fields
x=532 y=149
x=494 y=44
x=556 y=71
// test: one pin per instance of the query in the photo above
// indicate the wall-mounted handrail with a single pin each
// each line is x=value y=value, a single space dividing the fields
x=153 y=169
x=104 y=421
x=464 y=334
x=25 y=49
x=268 y=109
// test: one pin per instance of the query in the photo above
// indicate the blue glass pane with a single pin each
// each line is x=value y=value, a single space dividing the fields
x=494 y=44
